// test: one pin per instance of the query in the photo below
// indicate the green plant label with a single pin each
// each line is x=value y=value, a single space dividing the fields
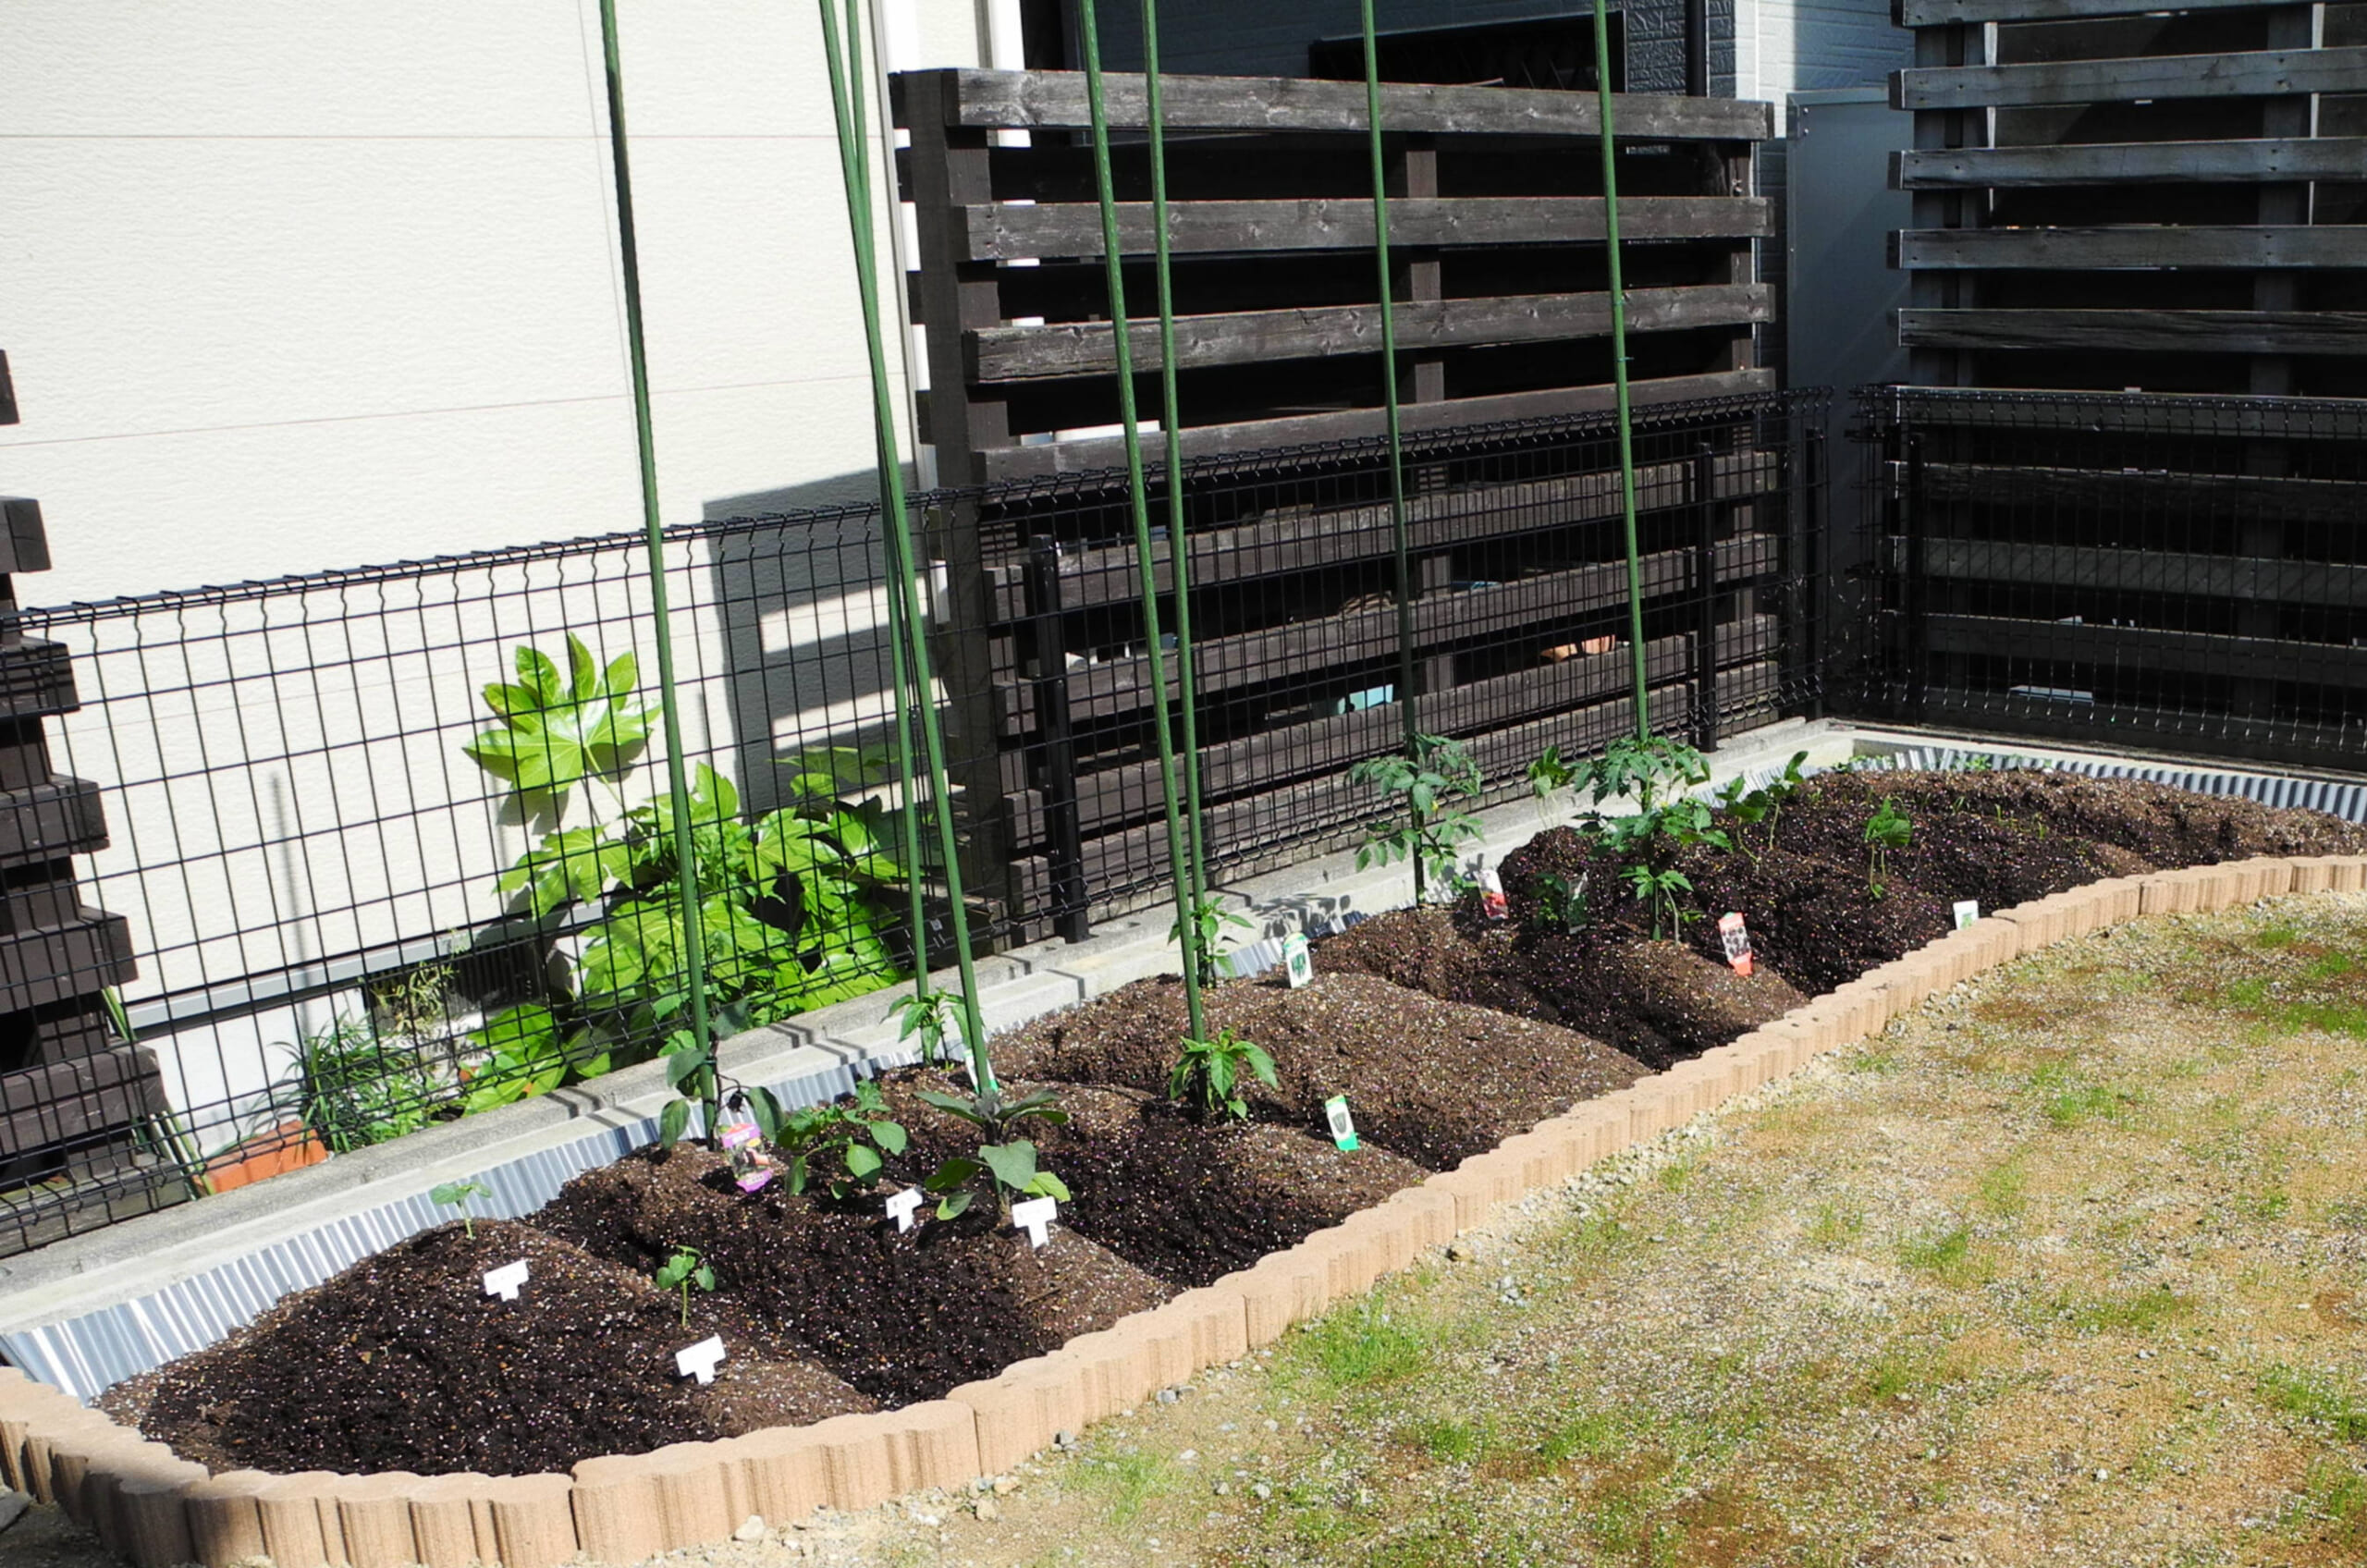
x=1298 y=962
x=505 y=1280
x=700 y=1360
x=1967 y=910
x=901 y=1207
x=1344 y=1126
x=1034 y=1215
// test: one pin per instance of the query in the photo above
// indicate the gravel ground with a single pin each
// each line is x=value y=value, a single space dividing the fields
x=2070 y=1267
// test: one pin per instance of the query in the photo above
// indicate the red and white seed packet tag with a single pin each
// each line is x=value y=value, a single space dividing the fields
x=1492 y=902
x=1737 y=938
x=751 y=1166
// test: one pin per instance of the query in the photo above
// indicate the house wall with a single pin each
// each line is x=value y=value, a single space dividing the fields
x=293 y=284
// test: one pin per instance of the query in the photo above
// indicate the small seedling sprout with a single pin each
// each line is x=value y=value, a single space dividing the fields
x=683 y=1270
x=1886 y=830
x=1207 y=1077
x=456 y=1194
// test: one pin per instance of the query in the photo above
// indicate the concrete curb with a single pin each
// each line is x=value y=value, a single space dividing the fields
x=159 y=1510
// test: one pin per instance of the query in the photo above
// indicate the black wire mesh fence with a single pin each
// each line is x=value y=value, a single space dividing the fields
x=2179 y=572
x=392 y=847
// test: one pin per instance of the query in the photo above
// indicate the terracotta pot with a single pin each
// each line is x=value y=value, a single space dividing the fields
x=290 y=1147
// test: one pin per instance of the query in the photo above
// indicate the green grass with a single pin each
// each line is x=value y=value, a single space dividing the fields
x=2331 y=1505
x=2330 y=966
x=2130 y=1312
x=1367 y=1347
x=2276 y=936
x=2066 y=1101
x=1946 y=1256
x=1835 y=1223
x=1126 y=1482
x=2314 y=1397
x=1593 y=1434
x=2004 y=1189
x=1446 y=1441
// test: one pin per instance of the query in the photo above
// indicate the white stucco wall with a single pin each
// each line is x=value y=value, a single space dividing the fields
x=291 y=284
x=1786 y=46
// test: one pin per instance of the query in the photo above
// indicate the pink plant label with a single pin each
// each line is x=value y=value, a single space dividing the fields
x=1736 y=937
x=752 y=1167
x=506 y=1281
x=900 y=1207
x=1034 y=1215
x=700 y=1360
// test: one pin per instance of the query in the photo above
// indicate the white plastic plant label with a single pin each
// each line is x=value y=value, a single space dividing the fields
x=506 y=1281
x=1736 y=937
x=1298 y=962
x=1967 y=910
x=1344 y=1126
x=901 y=1205
x=1492 y=902
x=700 y=1360
x=1034 y=1215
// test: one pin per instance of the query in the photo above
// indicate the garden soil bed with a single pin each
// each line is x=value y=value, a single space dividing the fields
x=1447 y=1033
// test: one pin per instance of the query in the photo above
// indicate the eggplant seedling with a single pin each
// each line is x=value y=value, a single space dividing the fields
x=683 y=1270
x=1006 y=1161
x=456 y=1194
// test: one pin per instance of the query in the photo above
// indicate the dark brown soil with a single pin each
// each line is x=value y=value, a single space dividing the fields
x=1185 y=1203
x=1441 y=953
x=901 y=1316
x=1434 y=1081
x=403 y=1363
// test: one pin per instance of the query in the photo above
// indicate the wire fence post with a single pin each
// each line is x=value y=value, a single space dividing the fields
x=1705 y=582
x=845 y=64
x=1179 y=858
x=1061 y=829
x=677 y=782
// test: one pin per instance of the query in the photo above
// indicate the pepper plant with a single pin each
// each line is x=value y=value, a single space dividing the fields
x=844 y=1141
x=1747 y=807
x=1429 y=781
x=1207 y=1077
x=1210 y=920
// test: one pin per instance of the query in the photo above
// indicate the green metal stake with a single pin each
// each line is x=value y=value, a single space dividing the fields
x=1619 y=373
x=677 y=782
x=1405 y=700
x=1178 y=858
x=846 y=98
x=854 y=170
x=1172 y=424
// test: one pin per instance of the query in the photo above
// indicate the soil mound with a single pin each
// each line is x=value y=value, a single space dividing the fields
x=1658 y=1001
x=1430 y=950
x=1187 y=1203
x=403 y=1363
x=1436 y=1082
x=901 y=1317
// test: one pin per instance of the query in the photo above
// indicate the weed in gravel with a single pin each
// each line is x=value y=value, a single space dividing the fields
x=2331 y=1506
x=1835 y=1223
x=1592 y=1434
x=1446 y=1441
x=2004 y=1189
x=1364 y=1348
x=2347 y=1214
x=1876 y=1061
x=2127 y=1312
x=2068 y=1101
x=2276 y=936
x=1947 y=1256
x=1126 y=1482
x=2314 y=1397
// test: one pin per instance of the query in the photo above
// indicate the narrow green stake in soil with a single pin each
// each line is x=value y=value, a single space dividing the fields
x=1619 y=373
x=843 y=55
x=678 y=788
x=1179 y=859
x=1406 y=705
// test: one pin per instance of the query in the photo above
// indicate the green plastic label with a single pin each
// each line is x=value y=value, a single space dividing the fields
x=1344 y=1126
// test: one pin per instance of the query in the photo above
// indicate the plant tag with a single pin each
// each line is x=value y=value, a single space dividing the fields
x=700 y=1360
x=1967 y=910
x=1492 y=902
x=1344 y=1126
x=751 y=1166
x=505 y=1280
x=900 y=1207
x=1033 y=1216
x=1737 y=938
x=1298 y=962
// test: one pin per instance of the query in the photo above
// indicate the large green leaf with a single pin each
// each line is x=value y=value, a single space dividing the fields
x=1013 y=1163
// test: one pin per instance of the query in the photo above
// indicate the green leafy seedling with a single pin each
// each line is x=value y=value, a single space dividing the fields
x=1430 y=783
x=683 y=1270
x=1209 y=922
x=1886 y=830
x=854 y=1138
x=1207 y=1077
x=456 y=1194
x=1657 y=890
x=1006 y=1161
x=933 y=1020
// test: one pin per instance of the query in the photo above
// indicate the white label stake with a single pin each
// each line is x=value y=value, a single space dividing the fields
x=1344 y=1126
x=1299 y=964
x=700 y=1360
x=1035 y=1217
x=900 y=1207
x=504 y=1281
x=1967 y=910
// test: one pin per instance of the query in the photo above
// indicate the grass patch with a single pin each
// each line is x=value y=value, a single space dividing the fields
x=1947 y=1256
x=1365 y=1348
x=2004 y=1188
x=1127 y=1482
x=2067 y=1100
x=1593 y=1434
x=1835 y=1223
x=2315 y=1398
x=2329 y=967
x=2274 y=937
x=2130 y=1312
x=1446 y=1441
x=2332 y=1506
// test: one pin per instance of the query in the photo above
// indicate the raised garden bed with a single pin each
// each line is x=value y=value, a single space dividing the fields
x=1453 y=1041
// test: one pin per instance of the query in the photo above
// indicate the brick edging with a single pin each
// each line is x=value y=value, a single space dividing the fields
x=159 y=1510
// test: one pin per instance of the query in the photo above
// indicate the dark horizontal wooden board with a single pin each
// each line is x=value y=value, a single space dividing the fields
x=64 y=1102
x=2140 y=648
x=1001 y=99
x=1016 y=231
x=1109 y=452
x=2268 y=497
x=2147 y=248
x=61 y=817
x=1327 y=746
x=1941 y=12
x=2247 y=578
x=2220 y=332
x=2250 y=74
x=1302 y=540
x=52 y=962
x=2132 y=162
x=1019 y=354
x=2165 y=414
x=1327 y=642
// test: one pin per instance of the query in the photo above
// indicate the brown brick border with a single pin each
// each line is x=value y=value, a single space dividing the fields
x=159 y=1510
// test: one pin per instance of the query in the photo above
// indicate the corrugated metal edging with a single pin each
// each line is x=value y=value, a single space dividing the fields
x=88 y=1354
x=2347 y=802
